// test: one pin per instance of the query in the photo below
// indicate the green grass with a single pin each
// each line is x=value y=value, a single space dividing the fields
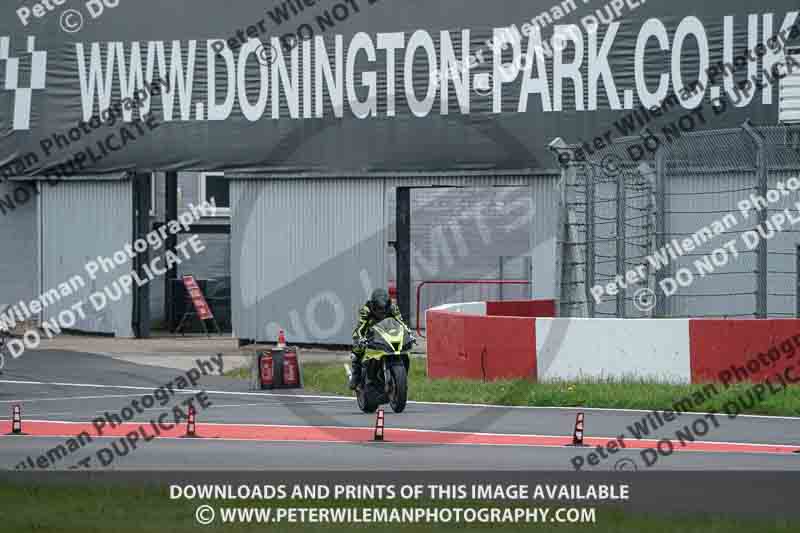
x=103 y=509
x=630 y=394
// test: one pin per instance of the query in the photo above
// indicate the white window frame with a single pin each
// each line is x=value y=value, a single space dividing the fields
x=221 y=211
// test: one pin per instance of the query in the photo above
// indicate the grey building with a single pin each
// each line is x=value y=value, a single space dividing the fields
x=298 y=275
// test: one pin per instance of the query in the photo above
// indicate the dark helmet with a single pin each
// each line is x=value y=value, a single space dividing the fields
x=380 y=303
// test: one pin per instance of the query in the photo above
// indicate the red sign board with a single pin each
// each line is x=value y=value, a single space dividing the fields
x=199 y=301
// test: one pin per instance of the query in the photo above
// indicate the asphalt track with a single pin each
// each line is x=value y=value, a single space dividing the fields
x=62 y=392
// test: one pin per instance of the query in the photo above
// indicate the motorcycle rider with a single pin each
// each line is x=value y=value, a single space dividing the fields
x=378 y=307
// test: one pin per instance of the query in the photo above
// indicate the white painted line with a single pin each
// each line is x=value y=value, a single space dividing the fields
x=212 y=406
x=181 y=391
x=65 y=398
x=334 y=398
x=72 y=413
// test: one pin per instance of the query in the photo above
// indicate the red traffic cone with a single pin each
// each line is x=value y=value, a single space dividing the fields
x=191 y=424
x=577 y=435
x=16 y=421
x=281 y=340
x=379 y=425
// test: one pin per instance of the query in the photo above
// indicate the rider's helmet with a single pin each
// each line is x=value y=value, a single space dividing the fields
x=380 y=304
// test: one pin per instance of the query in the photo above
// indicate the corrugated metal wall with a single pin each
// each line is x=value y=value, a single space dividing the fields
x=306 y=252
x=81 y=220
x=695 y=199
x=782 y=289
x=18 y=261
x=706 y=178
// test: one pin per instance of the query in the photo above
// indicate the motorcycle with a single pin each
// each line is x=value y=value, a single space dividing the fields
x=384 y=367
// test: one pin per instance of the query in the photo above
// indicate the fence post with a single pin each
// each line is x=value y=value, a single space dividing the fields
x=562 y=238
x=621 y=201
x=761 y=251
x=797 y=282
x=500 y=275
x=527 y=264
x=588 y=281
x=660 y=229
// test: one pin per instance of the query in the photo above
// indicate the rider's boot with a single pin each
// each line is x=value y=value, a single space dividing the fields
x=355 y=372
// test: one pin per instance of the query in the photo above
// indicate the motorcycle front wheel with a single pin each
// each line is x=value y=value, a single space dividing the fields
x=398 y=395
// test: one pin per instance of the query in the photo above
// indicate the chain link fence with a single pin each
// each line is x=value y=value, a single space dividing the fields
x=681 y=224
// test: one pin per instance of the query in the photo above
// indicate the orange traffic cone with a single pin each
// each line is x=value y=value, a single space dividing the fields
x=379 y=425
x=16 y=421
x=577 y=435
x=281 y=340
x=191 y=424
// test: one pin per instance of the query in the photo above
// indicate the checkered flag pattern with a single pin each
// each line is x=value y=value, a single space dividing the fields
x=22 y=75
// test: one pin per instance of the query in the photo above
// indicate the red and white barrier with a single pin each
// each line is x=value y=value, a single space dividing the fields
x=473 y=340
x=466 y=341
x=577 y=349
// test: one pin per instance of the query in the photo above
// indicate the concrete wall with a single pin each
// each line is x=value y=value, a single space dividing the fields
x=476 y=346
x=576 y=349
x=465 y=342
x=468 y=308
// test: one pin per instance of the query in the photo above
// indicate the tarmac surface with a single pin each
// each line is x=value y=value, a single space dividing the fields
x=61 y=392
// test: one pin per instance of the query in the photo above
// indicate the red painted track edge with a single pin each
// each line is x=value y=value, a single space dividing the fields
x=333 y=434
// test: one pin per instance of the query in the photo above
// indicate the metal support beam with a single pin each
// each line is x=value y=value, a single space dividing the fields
x=621 y=257
x=660 y=240
x=403 y=251
x=141 y=218
x=589 y=277
x=761 y=250
x=797 y=282
x=172 y=242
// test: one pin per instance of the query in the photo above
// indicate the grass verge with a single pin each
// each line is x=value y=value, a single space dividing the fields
x=630 y=394
x=81 y=509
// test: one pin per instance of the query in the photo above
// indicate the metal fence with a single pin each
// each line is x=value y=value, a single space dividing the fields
x=674 y=225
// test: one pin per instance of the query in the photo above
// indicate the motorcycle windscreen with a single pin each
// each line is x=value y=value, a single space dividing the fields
x=391 y=332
